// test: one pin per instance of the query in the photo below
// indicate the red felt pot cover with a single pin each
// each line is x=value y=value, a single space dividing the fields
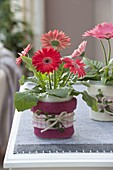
x=55 y=108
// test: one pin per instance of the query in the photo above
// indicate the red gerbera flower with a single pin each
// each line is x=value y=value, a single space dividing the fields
x=75 y=66
x=46 y=60
x=23 y=53
x=56 y=39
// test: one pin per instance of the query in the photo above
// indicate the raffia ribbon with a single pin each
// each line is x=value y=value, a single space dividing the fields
x=61 y=117
x=104 y=105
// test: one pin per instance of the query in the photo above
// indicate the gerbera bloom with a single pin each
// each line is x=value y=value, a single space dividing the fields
x=46 y=60
x=80 y=50
x=88 y=33
x=56 y=39
x=104 y=30
x=18 y=60
x=23 y=53
x=75 y=66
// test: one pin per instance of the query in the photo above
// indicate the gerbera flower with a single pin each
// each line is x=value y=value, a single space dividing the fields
x=18 y=60
x=46 y=60
x=23 y=53
x=75 y=66
x=80 y=50
x=56 y=39
x=104 y=30
x=88 y=33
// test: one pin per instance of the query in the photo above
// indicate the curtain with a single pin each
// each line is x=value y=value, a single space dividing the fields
x=9 y=84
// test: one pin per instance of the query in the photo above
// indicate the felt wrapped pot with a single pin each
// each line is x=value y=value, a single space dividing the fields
x=53 y=117
x=104 y=97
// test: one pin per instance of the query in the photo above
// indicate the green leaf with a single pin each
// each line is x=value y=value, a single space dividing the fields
x=85 y=83
x=110 y=82
x=63 y=78
x=90 y=100
x=110 y=64
x=61 y=75
x=22 y=80
x=24 y=101
x=28 y=62
x=104 y=79
x=60 y=92
x=37 y=89
x=28 y=79
x=93 y=63
x=39 y=75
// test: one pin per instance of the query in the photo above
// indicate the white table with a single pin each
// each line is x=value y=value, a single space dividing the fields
x=52 y=161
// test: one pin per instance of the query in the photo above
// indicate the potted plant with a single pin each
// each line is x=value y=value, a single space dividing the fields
x=52 y=99
x=100 y=73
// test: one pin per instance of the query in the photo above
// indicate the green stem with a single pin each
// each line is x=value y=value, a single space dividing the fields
x=39 y=76
x=61 y=72
x=55 y=80
x=109 y=50
x=50 y=82
x=104 y=51
x=106 y=72
x=93 y=67
x=112 y=71
x=67 y=78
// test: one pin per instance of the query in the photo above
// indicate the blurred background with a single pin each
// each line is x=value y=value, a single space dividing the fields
x=23 y=22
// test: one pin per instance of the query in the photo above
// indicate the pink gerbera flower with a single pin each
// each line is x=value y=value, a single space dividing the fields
x=18 y=60
x=75 y=66
x=23 y=53
x=80 y=50
x=104 y=30
x=88 y=33
x=46 y=60
x=56 y=39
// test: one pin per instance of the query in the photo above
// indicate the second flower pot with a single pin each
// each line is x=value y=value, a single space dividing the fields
x=104 y=97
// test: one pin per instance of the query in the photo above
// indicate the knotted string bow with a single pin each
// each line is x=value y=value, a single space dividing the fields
x=110 y=105
x=61 y=117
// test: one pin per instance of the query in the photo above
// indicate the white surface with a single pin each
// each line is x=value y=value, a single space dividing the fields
x=54 y=99
x=64 y=169
x=107 y=90
x=53 y=160
x=101 y=116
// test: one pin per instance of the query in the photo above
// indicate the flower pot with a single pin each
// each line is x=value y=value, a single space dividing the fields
x=104 y=97
x=53 y=117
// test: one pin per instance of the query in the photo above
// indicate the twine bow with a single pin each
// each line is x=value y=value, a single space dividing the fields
x=61 y=117
x=104 y=105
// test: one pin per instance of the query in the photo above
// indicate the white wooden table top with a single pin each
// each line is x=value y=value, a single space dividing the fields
x=37 y=160
x=54 y=159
